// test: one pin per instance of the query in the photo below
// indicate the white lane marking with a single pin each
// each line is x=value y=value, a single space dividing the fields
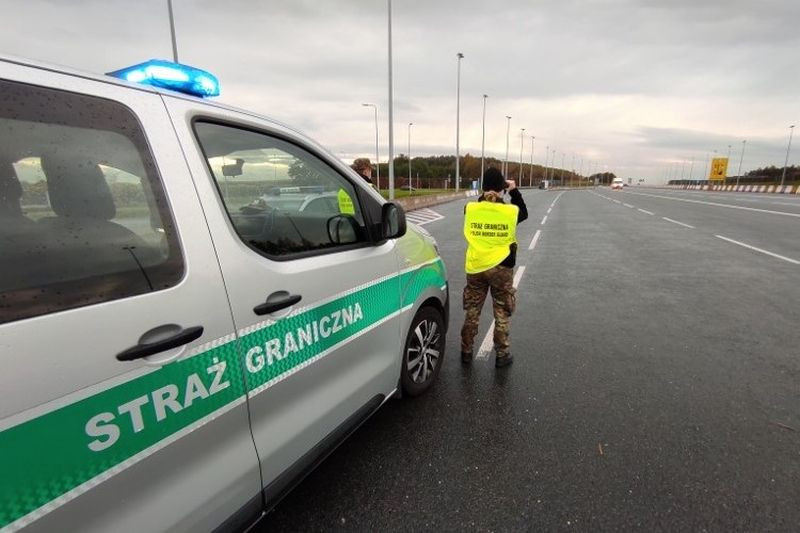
x=616 y=201
x=645 y=211
x=488 y=341
x=793 y=261
x=743 y=208
x=548 y=211
x=535 y=239
x=544 y=220
x=423 y=216
x=678 y=223
x=628 y=205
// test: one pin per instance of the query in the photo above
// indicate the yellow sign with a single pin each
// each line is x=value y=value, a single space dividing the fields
x=719 y=168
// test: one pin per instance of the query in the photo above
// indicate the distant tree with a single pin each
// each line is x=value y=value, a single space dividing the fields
x=301 y=174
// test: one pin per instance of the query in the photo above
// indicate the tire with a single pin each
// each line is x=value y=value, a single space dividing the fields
x=427 y=335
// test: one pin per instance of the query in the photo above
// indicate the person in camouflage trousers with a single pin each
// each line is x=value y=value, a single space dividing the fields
x=498 y=279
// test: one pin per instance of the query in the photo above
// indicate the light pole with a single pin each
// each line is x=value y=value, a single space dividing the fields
x=546 y=160
x=460 y=56
x=786 y=162
x=521 y=145
x=563 y=164
x=377 y=157
x=172 y=32
x=409 y=156
x=572 y=176
x=530 y=174
x=483 y=138
x=391 y=110
x=691 y=169
x=508 y=133
x=739 y=173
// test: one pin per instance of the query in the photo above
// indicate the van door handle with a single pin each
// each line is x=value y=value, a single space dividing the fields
x=283 y=301
x=145 y=349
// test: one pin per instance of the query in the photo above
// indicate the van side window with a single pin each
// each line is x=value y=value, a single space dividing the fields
x=282 y=200
x=83 y=217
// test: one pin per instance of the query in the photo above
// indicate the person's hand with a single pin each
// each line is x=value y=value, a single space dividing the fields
x=511 y=185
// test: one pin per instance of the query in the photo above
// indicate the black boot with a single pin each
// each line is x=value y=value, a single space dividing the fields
x=503 y=360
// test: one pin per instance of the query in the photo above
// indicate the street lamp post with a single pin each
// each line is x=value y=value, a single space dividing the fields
x=508 y=133
x=786 y=162
x=546 y=160
x=572 y=176
x=460 y=56
x=377 y=157
x=530 y=174
x=172 y=32
x=741 y=158
x=521 y=148
x=483 y=139
x=391 y=110
x=563 y=164
x=409 y=156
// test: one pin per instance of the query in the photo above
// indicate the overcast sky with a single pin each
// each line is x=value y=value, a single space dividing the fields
x=636 y=85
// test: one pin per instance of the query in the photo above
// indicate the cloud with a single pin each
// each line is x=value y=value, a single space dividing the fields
x=627 y=83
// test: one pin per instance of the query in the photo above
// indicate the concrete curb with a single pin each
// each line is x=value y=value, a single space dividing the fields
x=410 y=203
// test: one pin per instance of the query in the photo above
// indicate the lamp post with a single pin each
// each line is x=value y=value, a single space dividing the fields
x=739 y=173
x=172 y=32
x=546 y=160
x=391 y=110
x=563 y=164
x=459 y=57
x=409 y=156
x=508 y=133
x=530 y=174
x=521 y=145
x=483 y=138
x=786 y=162
x=377 y=157
x=572 y=176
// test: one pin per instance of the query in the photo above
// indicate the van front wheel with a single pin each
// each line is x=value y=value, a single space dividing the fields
x=424 y=351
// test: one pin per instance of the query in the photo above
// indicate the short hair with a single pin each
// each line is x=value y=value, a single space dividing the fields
x=361 y=164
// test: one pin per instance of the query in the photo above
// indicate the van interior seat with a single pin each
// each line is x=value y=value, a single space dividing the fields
x=82 y=237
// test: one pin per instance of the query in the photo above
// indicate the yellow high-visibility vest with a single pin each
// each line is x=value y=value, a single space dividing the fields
x=490 y=228
x=346 y=206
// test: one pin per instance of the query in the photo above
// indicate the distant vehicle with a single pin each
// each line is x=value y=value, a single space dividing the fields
x=617 y=184
x=544 y=184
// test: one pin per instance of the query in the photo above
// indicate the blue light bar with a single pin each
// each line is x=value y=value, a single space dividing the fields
x=173 y=76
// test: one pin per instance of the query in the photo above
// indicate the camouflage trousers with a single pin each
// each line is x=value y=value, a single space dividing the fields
x=499 y=280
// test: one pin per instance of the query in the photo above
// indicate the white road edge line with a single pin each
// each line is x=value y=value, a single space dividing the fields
x=488 y=341
x=646 y=212
x=793 y=261
x=544 y=220
x=716 y=204
x=548 y=211
x=678 y=223
x=535 y=239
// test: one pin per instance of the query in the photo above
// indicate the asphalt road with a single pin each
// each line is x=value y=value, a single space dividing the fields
x=656 y=383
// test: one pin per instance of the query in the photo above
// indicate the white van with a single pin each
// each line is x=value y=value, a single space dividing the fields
x=179 y=351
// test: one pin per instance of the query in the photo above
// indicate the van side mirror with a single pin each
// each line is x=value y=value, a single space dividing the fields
x=393 y=221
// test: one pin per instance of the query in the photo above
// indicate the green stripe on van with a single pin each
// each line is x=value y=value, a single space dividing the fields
x=47 y=457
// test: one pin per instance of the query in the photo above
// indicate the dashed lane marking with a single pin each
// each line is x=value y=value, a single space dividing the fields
x=678 y=223
x=488 y=341
x=420 y=217
x=749 y=247
x=535 y=239
x=646 y=212
x=544 y=220
x=628 y=205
